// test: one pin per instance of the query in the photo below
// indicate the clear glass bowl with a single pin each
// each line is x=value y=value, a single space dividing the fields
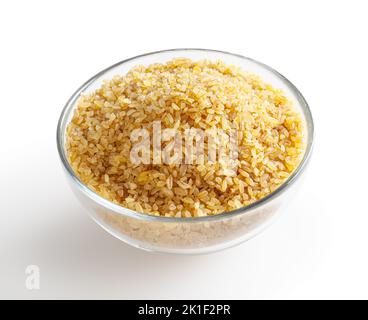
x=186 y=235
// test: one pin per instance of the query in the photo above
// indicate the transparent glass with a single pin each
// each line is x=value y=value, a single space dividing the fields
x=186 y=235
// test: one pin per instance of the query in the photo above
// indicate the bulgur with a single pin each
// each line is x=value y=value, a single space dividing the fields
x=185 y=94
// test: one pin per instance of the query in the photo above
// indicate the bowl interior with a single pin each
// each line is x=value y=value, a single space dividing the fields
x=268 y=74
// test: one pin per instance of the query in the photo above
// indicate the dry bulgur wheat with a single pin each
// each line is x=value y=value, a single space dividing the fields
x=185 y=94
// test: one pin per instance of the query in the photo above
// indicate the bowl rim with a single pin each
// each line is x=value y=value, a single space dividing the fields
x=69 y=106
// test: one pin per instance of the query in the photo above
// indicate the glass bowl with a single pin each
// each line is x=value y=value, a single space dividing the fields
x=187 y=235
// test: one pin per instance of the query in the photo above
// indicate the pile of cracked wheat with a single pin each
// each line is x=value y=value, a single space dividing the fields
x=185 y=94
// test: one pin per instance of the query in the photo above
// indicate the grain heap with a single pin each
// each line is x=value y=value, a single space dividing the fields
x=185 y=94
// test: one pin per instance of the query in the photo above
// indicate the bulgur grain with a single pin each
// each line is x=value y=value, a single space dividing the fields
x=185 y=94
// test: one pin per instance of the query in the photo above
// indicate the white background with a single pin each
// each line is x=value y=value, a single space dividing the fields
x=317 y=249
